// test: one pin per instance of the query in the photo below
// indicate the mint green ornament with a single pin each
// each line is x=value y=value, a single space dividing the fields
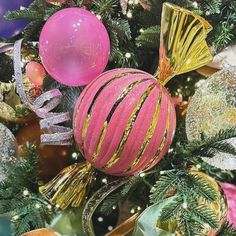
x=146 y=224
x=68 y=223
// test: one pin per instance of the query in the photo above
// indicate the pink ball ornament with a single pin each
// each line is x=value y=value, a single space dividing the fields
x=230 y=193
x=124 y=122
x=74 y=46
x=35 y=73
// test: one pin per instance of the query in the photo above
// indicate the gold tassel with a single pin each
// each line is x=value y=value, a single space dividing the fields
x=69 y=187
x=182 y=42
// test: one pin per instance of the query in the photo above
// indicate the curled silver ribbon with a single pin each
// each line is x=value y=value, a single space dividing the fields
x=57 y=135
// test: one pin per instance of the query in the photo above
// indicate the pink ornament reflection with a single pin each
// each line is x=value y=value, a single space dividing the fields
x=74 y=46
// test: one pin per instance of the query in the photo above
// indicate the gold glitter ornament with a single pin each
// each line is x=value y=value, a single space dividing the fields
x=11 y=107
x=8 y=151
x=219 y=206
x=149 y=223
x=213 y=108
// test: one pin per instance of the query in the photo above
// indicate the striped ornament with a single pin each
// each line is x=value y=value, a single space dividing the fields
x=124 y=122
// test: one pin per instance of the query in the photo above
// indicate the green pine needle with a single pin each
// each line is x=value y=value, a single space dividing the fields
x=227 y=229
x=202 y=188
x=166 y=183
x=213 y=6
x=105 y=8
x=171 y=211
x=114 y=199
x=189 y=228
x=149 y=37
x=212 y=145
x=205 y=215
x=28 y=211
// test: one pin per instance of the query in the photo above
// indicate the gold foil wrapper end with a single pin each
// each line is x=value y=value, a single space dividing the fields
x=183 y=46
x=69 y=187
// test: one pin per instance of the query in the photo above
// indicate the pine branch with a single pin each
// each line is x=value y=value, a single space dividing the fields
x=105 y=8
x=31 y=30
x=121 y=27
x=202 y=188
x=114 y=199
x=33 y=12
x=189 y=228
x=209 y=146
x=115 y=53
x=19 y=197
x=38 y=12
x=225 y=35
x=227 y=229
x=188 y=189
x=204 y=215
x=213 y=6
x=149 y=38
x=106 y=207
x=119 y=58
x=27 y=13
x=223 y=146
x=165 y=184
x=172 y=210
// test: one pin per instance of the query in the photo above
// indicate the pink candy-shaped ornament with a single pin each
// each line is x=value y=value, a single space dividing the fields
x=74 y=46
x=124 y=122
x=35 y=73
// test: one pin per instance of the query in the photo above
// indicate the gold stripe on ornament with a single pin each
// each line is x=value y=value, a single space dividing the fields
x=87 y=119
x=85 y=126
x=163 y=141
x=149 y=134
x=116 y=104
x=128 y=128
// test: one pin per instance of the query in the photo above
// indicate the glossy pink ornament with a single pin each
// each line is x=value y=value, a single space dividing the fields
x=124 y=122
x=35 y=73
x=230 y=193
x=74 y=46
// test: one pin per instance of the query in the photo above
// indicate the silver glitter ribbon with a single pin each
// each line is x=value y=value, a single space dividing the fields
x=42 y=106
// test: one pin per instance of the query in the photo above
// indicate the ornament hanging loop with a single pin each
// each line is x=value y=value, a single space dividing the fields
x=183 y=46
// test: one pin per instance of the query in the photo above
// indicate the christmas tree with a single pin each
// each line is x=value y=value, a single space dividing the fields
x=117 y=117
